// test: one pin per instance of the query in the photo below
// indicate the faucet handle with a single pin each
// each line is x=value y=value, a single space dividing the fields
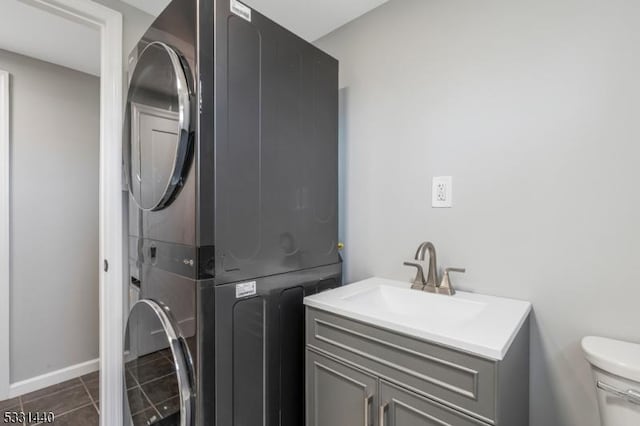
x=445 y=286
x=418 y=281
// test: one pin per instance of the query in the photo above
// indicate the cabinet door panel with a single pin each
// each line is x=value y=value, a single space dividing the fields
x=465 y=381
x=404 y=408
x=276 y=152
x=338 y=395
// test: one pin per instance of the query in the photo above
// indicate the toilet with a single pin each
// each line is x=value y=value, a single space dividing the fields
x=616 y=371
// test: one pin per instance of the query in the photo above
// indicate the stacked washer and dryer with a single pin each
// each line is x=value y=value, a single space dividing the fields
x=231 y=156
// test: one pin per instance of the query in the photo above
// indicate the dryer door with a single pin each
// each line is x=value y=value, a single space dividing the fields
x=158 y=373
x=158 y=129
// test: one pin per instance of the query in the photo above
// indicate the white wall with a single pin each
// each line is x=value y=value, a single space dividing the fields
x=533 y=108
x=55 y=124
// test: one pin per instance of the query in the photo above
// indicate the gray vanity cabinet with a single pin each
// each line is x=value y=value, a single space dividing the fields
x=359 y=374
x=340 y=395
x=400 y=407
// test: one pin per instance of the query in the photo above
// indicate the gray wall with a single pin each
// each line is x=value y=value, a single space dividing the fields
x=533 y=108
x=55 y=123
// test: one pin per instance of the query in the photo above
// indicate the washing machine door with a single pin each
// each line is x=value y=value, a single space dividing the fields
x=158 y=128
x=158 y=369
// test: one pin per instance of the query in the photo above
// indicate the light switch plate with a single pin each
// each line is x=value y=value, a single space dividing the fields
x=442 y=192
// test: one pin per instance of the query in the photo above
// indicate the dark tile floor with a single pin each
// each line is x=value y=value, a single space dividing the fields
x=74 y=402
x=152 y=389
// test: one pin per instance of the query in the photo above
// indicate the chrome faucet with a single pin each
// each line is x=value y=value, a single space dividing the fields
x=431 y=284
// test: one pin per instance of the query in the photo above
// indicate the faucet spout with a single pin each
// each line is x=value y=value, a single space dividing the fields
x=431 y=284
x=432 y=273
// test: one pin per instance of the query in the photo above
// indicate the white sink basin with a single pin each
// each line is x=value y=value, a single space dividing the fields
x=483 y=325
x=414 y=305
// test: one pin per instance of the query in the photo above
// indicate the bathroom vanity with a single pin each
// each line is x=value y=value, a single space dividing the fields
x=381 y=354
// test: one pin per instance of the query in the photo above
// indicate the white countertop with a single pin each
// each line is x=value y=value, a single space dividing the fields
x=474 y=323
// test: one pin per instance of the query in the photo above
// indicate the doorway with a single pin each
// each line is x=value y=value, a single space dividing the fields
x=104 y=272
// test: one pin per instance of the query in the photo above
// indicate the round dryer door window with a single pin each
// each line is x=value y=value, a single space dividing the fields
x=158 y=373
x=158 y=132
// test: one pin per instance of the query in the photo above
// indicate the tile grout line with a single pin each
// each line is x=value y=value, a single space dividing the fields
x=168 y=399
x=139 y=386
x=144 y=394
x=80 y=383
x=66 y=412
x=52 y=393
x=171 y=360
x=147 y=361
x=155 y=378
x=21 y=408
x=86 y=389
x=71 y=411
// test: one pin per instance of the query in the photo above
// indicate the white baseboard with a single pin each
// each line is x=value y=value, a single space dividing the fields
x=53 y=378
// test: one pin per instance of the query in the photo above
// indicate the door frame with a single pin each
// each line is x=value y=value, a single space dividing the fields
x=5 y=232
x=111 y=233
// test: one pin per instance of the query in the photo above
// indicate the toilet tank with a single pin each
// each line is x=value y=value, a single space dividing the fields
x=616 y=372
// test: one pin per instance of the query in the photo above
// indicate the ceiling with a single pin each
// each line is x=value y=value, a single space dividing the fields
x=152 y=7
x=59 y=40
x=310 y=19
x=54 y=39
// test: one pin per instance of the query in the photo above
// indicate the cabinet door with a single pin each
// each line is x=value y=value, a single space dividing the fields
x=399 y=407
x=339 y=395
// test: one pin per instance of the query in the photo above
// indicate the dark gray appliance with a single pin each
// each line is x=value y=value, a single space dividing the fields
x=231 y=152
